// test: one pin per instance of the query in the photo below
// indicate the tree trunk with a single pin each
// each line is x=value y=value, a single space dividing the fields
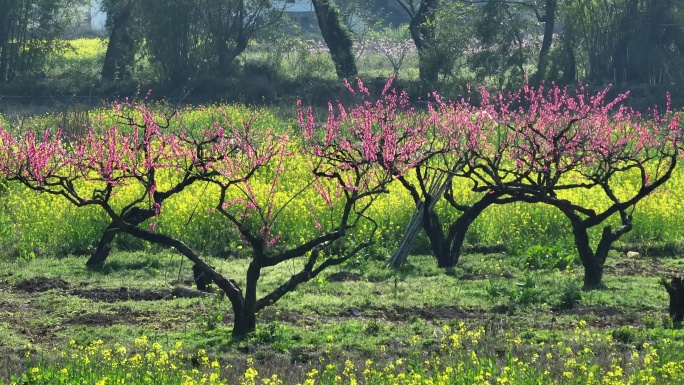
x=570 y=65
x=104 y=247
x=593 y=261
x=593 y=275
x=549 y=24
x=593 y=268
x=134 y=217
x=337 y=37
x=675 y=289
x=422 y=28
x=120 y=49
x=438 y=242
x=245 y=323
x=245 y=315
x=459 y=229
x=428 y=66
x=227 y=55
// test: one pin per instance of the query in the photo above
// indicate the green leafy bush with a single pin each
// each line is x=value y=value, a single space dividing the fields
x=547 y=257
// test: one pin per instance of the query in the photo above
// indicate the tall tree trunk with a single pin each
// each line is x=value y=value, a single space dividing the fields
x=422 y=28
x=549 y=21
x=337 y=37
x=570 y=65
x=120 y=49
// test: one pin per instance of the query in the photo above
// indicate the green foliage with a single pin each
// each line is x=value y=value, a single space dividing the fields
x=526 y=293
x=631 y=42
x=503 y=47
x=496 y=288
x=454 y=32
x=211 y=316
x=193 y=38
x=625 y=334
x=548 y=257
x=570 y=295
x=30 y=35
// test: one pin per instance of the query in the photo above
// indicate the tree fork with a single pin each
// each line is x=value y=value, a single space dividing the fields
x=134 y=217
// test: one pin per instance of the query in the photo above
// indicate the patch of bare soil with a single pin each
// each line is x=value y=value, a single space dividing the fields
x=429 y=313
x=41 y=284
x=344 y=276
x=651 y=267
x=124 y=315
x=187 y=281
x=122 y=294
x=601 y=316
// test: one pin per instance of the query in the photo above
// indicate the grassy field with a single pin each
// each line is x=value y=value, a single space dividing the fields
x=490 y=320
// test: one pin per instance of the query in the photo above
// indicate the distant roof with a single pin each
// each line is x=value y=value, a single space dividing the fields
x=304 y=6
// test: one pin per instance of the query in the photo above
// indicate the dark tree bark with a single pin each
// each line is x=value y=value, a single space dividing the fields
x=202 y=278
x=570 y=65
x=593 y=261
x=134 y=217
x=104 y=247
x=549 y=20
x=227 y=55
x=121 y=47
x=675 y=289
x=447 y=247
x=423 y=34
x=337 y=37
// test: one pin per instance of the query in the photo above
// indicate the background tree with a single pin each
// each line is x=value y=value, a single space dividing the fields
x=626 y=41
x=192 y=39
x=231 y=24
x=337 y=37
x=504 y=45
x=121 y=46
x=29 y=34
x=423 y=32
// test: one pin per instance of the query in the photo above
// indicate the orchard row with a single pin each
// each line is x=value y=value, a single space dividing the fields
x=538 y=146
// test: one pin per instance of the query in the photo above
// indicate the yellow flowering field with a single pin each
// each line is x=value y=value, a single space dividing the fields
x=462 y=357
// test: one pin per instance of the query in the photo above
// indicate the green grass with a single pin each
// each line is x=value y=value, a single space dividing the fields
x=403 y=315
